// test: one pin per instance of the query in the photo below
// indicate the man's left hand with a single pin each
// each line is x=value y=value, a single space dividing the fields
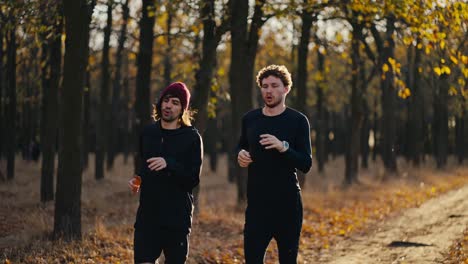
x=271 y=142
x=156 y=163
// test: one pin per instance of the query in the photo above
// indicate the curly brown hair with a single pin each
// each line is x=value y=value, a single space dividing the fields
x=279 y=71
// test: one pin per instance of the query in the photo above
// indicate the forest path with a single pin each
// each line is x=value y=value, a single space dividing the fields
x=418 y=235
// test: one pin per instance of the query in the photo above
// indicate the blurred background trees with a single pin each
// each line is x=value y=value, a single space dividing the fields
x=377 y=79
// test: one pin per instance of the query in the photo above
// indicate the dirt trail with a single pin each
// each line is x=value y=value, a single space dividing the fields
x=436 y=224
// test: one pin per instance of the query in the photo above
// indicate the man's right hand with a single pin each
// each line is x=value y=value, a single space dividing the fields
x=243 y=158
x=134 y=184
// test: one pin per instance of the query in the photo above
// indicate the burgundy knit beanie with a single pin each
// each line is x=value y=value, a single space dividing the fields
x=179 y=90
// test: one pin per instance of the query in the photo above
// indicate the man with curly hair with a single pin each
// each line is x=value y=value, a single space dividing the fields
x=274 y=144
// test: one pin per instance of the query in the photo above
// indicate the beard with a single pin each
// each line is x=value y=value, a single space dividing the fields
x=170 y=117
x=272 y=104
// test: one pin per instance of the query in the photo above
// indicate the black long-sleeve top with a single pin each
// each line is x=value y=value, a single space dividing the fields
x=272 y=175
x=166 y=199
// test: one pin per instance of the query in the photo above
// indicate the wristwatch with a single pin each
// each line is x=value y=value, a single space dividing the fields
x=285 y=146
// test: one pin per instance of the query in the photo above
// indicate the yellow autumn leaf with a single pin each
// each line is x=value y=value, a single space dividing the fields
x=385 y=67
x=420 y=46
x=442 y=44
x=131 y=56
x=464 y=59
x=407 y=92
x=446 y=70
x=461 y=81
x=454 y=60
x=427 y=50
x=91 y=60
x=407 y=40
x=452 y=91
x=221 y=71
x=437 y=70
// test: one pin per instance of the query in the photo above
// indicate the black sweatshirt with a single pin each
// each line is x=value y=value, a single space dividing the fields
x=272 y=179
x=166 y=199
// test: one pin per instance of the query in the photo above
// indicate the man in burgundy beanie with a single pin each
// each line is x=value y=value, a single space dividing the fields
x=179 y=90
x=171 y=155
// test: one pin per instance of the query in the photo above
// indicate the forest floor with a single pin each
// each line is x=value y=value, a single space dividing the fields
x=424 y=206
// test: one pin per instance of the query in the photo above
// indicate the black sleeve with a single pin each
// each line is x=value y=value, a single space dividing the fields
x=299 y=153
x=243 y=143
x=187 y=174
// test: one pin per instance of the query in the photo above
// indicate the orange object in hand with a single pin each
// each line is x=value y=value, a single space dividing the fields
x=135 y=183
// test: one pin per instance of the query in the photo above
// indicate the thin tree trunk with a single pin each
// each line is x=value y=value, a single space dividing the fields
x=103 y=124
x=11 y=101
x=144 y=59
x=116 y=105
x=352 y=153
x=3 y=91
x=168 y=53
x=208 y=60
x=52 y=53
x=416 y=111
x=241 y=100
x=365 y=138
x=67 y=220
x=302 y=71
x=459 y=139
x=86 y=118
x=389 y=96
x=321 y=123
x=375 y=128
x=441 y=122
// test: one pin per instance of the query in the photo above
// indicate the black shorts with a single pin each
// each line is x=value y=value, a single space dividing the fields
x=149 y=244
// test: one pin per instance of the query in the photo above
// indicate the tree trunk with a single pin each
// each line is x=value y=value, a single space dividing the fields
x=302 y=71
x=352 y=153
x=416 y=111
x=116 y=104
x=86 y=118
x=103 y=123
x=241 y=75
x=211 y=142
x=52 y=55
x=67 y=221
x=128 y=116
x=321 y=123
x=3 y=91
x=389 y=100
x=241 y=100
x=11 y=101
x=204 y=75
x=168 y=53
x=441 y=122
x=144 y=59
x=459 y=138
x=375 y=128
x=2 y=96
x=365 y=138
